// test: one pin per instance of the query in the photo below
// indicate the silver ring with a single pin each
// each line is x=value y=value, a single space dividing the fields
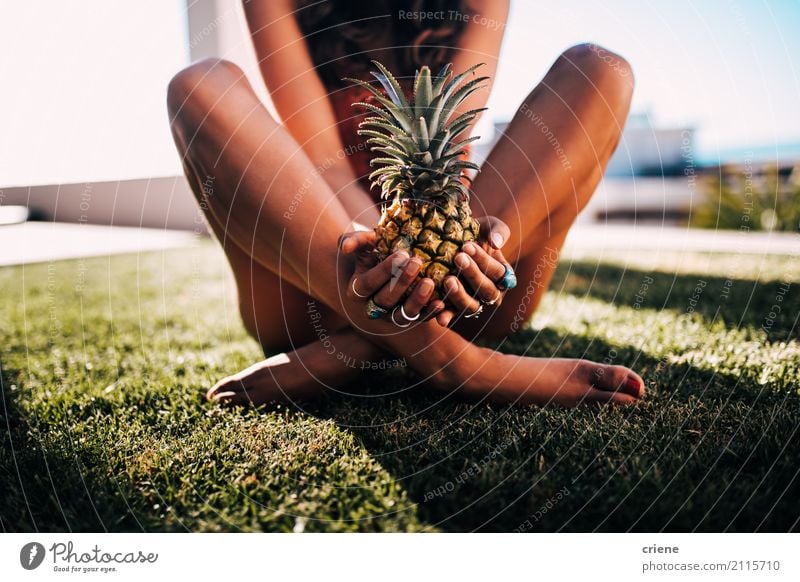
x=394 y=321
x=356 y=293
x=476 y=314
x=404 y=314
x=493 y=301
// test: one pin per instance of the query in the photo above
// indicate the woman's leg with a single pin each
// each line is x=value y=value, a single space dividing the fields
x=273 y=310
x=304 y=359
x=275 y=214
x=223 y=131
x=547 y=165
x=260 y=201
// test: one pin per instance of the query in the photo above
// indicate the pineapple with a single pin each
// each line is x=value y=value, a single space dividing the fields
x=421 y=166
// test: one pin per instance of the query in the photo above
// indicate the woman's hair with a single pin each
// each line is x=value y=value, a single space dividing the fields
x=343 y=36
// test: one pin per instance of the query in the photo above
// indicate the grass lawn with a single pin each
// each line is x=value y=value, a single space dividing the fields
x=104 y=427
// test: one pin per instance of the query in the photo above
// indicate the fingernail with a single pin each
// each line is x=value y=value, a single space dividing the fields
x=634 y=384
x=469 y=248
x=462 y=261
x=497 y=240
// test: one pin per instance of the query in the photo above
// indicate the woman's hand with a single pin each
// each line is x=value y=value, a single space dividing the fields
x=481 y=267
x=380 y=286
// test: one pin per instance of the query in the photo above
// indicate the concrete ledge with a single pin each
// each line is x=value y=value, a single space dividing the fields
x=154 y=203
x=649 y=238
x=37 y=242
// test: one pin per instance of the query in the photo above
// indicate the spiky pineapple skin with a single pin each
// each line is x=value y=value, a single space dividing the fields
x=421 y=164
x=433 y=231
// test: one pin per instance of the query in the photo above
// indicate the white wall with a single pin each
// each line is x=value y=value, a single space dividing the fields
x=85 y=135
x=83 y=89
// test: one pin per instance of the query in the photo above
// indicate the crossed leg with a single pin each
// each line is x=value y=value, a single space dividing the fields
x=226 y=141
x=281 y=266
x=545 y=168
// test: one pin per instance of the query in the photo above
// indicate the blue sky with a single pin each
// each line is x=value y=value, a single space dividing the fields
x=730 y=68
x=84 y=82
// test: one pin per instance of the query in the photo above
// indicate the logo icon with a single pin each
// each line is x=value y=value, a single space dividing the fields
x=31 y=555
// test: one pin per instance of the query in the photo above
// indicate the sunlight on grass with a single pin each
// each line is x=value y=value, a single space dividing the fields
x=105 y=363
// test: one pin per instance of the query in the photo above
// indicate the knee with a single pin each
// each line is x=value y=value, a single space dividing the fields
x=198 y=82
x=609 y=73
x=599 y=64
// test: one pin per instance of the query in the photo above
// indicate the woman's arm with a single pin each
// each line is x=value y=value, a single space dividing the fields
x=480 y=43
x=302 y=101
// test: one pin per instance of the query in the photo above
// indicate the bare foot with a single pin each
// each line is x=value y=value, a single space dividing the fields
x=303 y=373
x=548 y=381
x=480 y=372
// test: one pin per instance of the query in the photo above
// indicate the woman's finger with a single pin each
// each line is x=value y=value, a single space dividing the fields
x=444 y=317
x=481 y=285
x=458 y=297
x=392 y=292
x=433 y=310
x=416 y=302
x=489 y=265
x=359 y=244
x=364 y=284
x=497 y=231
x=350 y=242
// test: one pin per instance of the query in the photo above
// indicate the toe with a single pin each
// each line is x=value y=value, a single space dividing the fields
x=223 y=397
x=225 y=390
x=606 y=397
x=618 y=379
x=211 y=393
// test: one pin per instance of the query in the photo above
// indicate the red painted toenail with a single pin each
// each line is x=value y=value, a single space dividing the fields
x=634 y=385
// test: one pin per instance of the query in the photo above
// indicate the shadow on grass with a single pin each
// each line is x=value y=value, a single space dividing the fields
x=736 y=302
x=48 y=486
x=704 y=452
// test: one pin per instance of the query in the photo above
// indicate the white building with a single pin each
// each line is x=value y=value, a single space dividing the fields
x=650 y=177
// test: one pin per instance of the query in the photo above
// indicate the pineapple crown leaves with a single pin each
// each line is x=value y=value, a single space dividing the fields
x=416 y=140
